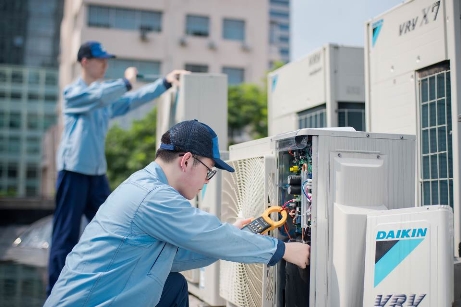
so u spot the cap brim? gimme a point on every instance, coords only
(106, 56)
(223, 165)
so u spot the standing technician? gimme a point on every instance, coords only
(147, 231)
(89, 104)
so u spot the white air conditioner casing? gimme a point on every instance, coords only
(247, 193)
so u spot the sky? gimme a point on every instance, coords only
(315, 23)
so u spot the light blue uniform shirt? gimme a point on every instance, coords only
(87, 111)
(144, 231)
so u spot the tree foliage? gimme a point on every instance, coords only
(128, 151)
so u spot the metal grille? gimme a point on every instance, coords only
(436, 171)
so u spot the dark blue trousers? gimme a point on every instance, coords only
(175, 293)
(76, 195)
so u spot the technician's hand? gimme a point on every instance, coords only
(174, 76)
(297, 253)
(130, 74)
(241, 222)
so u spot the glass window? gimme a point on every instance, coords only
(234, 75)
(151, 21)
(197, 25)
(117, 68)
(313, 118)
(234, 29)
(12, 170)
(284, 27)
(51, 79)
(33, 145)
(3, 75)
(284, 39)
(16, 77)
(2, 119)
(32, 121)
(14, 145)
(351, 114)
(15, 120)
(196, 68)
(125, 19)
(278, 14)
(48, 121)
(436, 174)
(284, 52)
(99, 16)
(16, 96)
(51, 98)
(281, 2)
(33, 77)
(32, 171)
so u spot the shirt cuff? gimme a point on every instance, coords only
(127, 84)
(278, 255)
(166, 84)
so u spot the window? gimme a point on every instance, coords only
(99, 16)
(234, 75)
(51, 79)
(196, 68)
(34, 77)
(33, 145)
(3, 76)
(16, 77)
(285, 52)
(197, 25)
(33, 97)
(32, 121)
(2, 119)
(284, 27)
(278, 14)
(15, 120)
(234, 29)
(12, 170)
(48, 121)
(16, 96)
(313, 118)
(32, 172)
(281, 2)
(51, 98)
(126, 19)
(436, 151)
(351, 114)
(284, 39)
(14, 145)
(117, 68)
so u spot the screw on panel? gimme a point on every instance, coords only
(378, 156)
(401, 137)
(368, 135)
(339, 155)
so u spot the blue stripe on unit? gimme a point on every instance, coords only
(393, 258)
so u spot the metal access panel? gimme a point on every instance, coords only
(330, 180)
(200, 96)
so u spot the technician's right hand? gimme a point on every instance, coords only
(174, 76)
(297, 253)
(130, 74)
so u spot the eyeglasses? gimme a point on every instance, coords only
(210, 172)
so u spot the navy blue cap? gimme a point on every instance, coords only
(91, 50)
(197, 138)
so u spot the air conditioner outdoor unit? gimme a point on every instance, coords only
(183, 41)
(332, 182)
(246, 46)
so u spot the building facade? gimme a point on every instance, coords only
(279, 31)
(29, 47)
(208, 36)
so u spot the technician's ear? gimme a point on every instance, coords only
(185, 160)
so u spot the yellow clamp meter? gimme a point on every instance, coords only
(264, 223)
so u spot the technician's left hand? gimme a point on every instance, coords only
(241, 222)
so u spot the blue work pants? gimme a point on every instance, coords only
(76, 195)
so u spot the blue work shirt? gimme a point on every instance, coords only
(86, 114)
(144, 231)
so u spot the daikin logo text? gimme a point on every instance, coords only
(401, 234)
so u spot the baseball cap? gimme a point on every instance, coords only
(197, 138)
(93, 49)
